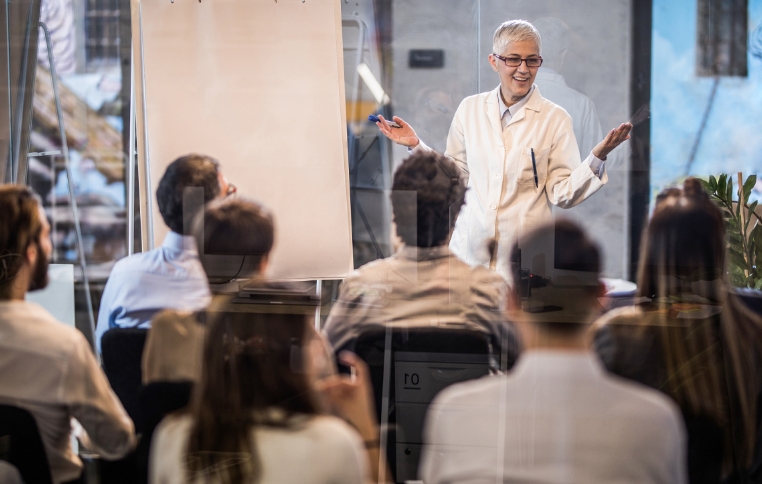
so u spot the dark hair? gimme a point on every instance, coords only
(187, 171)
(439, 195)
(229, 229)
(573, 250)
(253, 374)
(20, 227)
(713, 368)
(572, 292)
(684, 242)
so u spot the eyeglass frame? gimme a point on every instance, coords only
(520, 59)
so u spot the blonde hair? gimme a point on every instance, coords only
(514, 31)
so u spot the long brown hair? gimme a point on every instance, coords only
(711, 363)
(254, 374)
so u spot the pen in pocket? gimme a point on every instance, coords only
(534, 169)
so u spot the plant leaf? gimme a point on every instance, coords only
(722, 184)
(712, 183)
(748, 185)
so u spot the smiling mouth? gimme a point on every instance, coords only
(520, 79)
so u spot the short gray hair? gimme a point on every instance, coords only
(514, 31)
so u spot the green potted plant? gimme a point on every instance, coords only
(743, 227)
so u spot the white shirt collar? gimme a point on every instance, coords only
(548, 361)
(175, 241)
(515, 108)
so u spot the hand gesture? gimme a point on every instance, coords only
(404, 136)
(613, 139)
(351, 397)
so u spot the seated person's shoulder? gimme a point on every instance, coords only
(172, 318)
(328, 427)
(482, 275)
(621, 319)
(175, 425)
(52, 337)
(377, 272)
(131, 262)
(637, 399)
(479, 392)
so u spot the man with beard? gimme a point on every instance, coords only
(46, 367)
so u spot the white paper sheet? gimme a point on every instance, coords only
(257, 84)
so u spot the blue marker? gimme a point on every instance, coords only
(376, 119)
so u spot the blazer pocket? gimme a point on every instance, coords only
(526, 169)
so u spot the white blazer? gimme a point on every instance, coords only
(502, 201)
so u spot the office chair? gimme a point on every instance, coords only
(122, 351)
(21, 445)
(157, 400)
(408, 367)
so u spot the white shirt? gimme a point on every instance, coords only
(556, 418)
(48, 369)
(502, 201)
(170, 277)
(322, 450)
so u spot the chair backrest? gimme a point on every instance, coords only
(408, 367)
(21, 445)
(122, 352)
(157, 400)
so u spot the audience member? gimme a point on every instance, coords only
(558, 416)
(423, 283)
(47, 367)
(694, 340)
(255, 416)
(171, 276)
(233, 235)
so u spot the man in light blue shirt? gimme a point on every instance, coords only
(171, 276)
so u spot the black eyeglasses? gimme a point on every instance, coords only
(516, 61)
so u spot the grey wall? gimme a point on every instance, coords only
(597, 64)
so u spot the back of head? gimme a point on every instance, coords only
(563, 297)
(234, 237)
(188, 171)
(683, 244)
(20, 227)
(711, 359)
(427, 195)
(255, 373)
(514, 31)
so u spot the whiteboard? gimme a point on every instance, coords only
(259, 85)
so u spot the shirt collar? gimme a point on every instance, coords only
(545, 361)
(175, 241)
(515, 108)
(424, 253)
